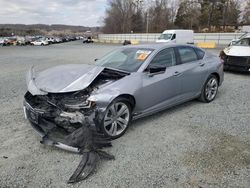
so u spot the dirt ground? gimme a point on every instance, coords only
(191, 145)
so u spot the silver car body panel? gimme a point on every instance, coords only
(62, 79)
(152, 93)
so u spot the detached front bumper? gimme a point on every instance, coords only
(234, 63)
(54, 134)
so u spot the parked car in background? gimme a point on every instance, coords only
(87, 40)
(21, 41)
(237, 56)
(58, 39)
(2, 41)
(10, 41)
(50, 40)
(40, 42)
(129, 83)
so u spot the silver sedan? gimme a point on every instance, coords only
(128, 83)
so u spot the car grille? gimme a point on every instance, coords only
(240, 61)
(40, 104)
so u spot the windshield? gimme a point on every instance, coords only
(126, 59)
(242, 36)
(166, 36)
(243, 42)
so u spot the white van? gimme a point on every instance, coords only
(179, 36)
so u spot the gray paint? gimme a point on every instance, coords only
(151, 93)
(64, 78)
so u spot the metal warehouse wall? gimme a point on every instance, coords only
(218, 38)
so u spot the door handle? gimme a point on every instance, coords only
(201, 64)
(176, 73)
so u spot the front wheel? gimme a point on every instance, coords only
(210, 89)
(117, 118)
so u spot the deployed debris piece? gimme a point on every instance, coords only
(88, 143)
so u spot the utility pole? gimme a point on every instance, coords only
(147, 20)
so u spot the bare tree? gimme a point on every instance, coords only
(246, 13)
(124, 16)
(160, 16)
(174, 6)
(119, 16)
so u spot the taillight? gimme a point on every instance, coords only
(222, 60)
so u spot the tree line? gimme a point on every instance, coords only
(128, 16)
(43, 29)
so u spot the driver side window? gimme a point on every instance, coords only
(165, 58)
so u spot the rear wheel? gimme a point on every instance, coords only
(117, 118)
(210, 89)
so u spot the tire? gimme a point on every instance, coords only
(114, 125)
(210, 89)
(42, 44)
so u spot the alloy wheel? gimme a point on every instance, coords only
(211, 88)
(116, 119)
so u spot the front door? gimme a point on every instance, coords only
(164, 86)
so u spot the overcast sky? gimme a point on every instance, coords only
(69, 12)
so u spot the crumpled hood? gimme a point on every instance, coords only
(63, 78)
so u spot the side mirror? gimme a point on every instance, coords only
(153, 70)
(96, 60)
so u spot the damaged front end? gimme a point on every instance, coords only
(69, 120)
(57, 115)
(67, 126)
(236, 58)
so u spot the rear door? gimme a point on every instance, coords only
(192, 70)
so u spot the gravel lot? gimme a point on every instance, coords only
(191, 145)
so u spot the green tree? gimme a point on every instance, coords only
(188, 15)
(219, 13)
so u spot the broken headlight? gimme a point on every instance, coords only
(82, 105)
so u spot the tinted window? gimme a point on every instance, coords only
(164, 58)
(173, 37)
(187, 54)
(200, 53)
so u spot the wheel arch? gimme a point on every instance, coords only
(130, 98)
(217, 76)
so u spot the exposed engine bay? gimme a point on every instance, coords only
(69, 121)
